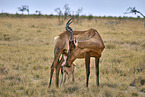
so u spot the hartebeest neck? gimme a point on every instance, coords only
(71, 48)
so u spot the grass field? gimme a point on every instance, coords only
(26, 54)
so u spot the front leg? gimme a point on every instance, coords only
(61, 80)
(64, 80)
(73, 76)
(87, 63)
(97, 71)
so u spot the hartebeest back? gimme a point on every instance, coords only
(89, 44)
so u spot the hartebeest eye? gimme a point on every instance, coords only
(75, 42)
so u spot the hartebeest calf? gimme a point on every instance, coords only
(65, 71)
(88, 44)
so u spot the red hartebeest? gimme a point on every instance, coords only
(89, 44)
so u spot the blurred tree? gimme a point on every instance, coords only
(27, 9)
(138, 16)
(67, 11)
(90, 17)
(39, 12)
(133, 10)
(24, 8)
(60, 14)
(78, 14)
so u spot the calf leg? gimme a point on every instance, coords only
(73, 78)
(57, 71)
(64, 78)
(61, 80)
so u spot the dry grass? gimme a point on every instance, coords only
(26, 54)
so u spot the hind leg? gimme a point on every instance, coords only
(97, 70)
(51, 74)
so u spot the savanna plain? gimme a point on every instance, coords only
(26, 55)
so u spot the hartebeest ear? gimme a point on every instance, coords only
(75, 42)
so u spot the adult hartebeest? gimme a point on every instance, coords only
(89, 44)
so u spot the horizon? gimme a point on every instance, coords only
(26, 14)
(93, 7)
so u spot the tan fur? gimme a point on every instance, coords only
(55, 40)
(87, 41)
(89, 45)
(67, 72)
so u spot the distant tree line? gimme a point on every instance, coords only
(65, 12)
(62, 13)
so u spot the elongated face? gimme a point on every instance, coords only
(68, 70)
(70, 56)
(71, 44)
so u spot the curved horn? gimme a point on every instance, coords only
(68, 23)
(69, 29)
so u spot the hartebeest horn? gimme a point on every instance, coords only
(69, 29)
(68, 23)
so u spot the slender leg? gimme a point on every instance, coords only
(57, 75)
(57, 72)
(68, 78)
(54, 65)
(57, 53)
(97, 71)
(51, 74)
(61, 80)
(73, 78)
(87, 63)
(64, 78)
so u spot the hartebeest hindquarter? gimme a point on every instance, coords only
(77, 44)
